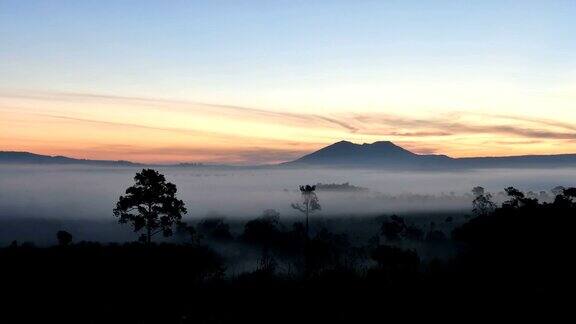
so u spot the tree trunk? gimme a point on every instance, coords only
(148, 235)
(148, 228)
(307, 226)
(306, 243)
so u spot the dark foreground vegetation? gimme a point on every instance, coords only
(515, 258)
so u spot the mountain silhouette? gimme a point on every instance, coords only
(388, 154)
(9, 157)
(382, 154)
(345, 149)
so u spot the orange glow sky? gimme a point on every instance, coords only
(161, 130)
(251, 84)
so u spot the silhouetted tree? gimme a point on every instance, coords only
(558, 190)
(482, 204)
(393, 258)
(435, 235)
(328, 249)
(308, 205)
(518, 199)
(189, 232)
(515, 196)
(532, 195)
(150, 205)
(522, 241)
(215, 228)
(413, 232)
(570, 193)
(566, 198)
(393, 227)
(478, 191)
(64, 238)
(263, 231)
(272, 214)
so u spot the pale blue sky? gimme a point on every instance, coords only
(172, 47)
(504, 71)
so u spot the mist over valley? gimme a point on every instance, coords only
(77, 195)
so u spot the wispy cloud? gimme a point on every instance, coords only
(442, 127)
(302, 132)
(538, 121)
(343, 124)
(309, 120)
(517, 142)
(359, 123)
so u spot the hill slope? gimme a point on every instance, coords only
(9, 157)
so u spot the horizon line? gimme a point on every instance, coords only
(214, 163)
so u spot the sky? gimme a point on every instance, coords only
(255, 82)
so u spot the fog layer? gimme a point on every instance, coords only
(79, 192)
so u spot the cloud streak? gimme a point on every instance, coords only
(441, 127)
(243, 134)
(538, 121)
(309, 120)
(365, 123)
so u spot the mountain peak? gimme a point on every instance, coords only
(379, 143)
(348, 153)
(342, 143)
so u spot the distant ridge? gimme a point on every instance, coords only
(385, 154)
(11, 157)
(382, 154)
